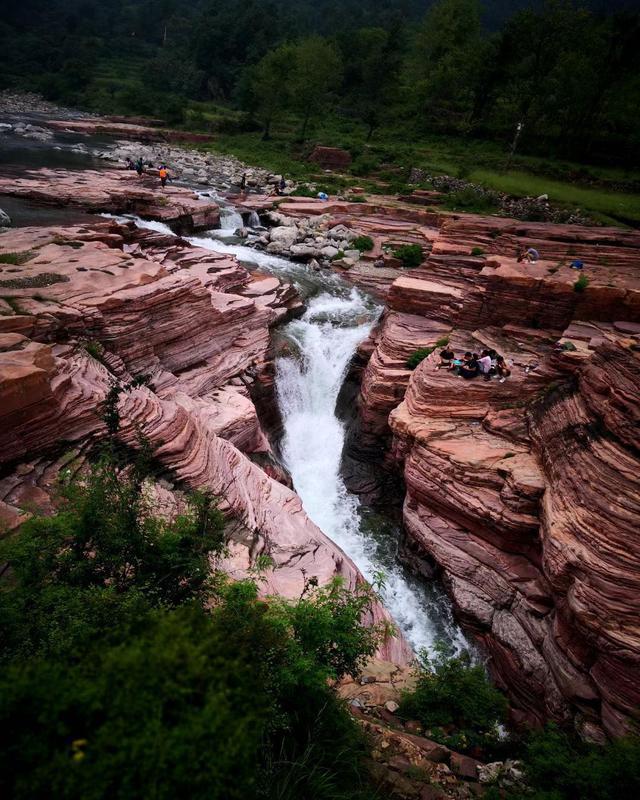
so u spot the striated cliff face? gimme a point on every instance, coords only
(522, 495)
(88, 307)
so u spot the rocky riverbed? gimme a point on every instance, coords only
(523, 496)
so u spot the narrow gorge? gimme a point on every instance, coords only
(502, 514)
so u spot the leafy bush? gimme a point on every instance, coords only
(477, 251)
(471, 199)
(559, 767)
(418, 356)
(365, 165)
(581, 284)
(116, 681)
(409, 254)
(303, 191)
(443, 341)
(16, 258)
(451, 691)
(363, 243)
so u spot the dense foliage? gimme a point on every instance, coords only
(455, 701)
(560, 767)
(565, 71)
(116, 682)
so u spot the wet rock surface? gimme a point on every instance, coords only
(115, 191)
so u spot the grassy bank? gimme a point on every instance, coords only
(608, 195)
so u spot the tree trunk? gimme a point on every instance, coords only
(372, 127)
(304, 125)
(266, 133)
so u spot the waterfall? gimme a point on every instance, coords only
(253, 220)
(337, 319)
(308, 385)
(230, 221)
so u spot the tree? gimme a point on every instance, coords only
(270, 85)
(116, 681)
(372, 59)
(317, 70)
(445, 61)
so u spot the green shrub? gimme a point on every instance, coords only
(357, 198)
(409, 254)
(451, 691)
(365, 165)
(443, 341)
(303, 190)
(419, 356)
(477, 251)
(560, 767)
(363, 243)
(116, 681)
(470, 199)
(16, 258)
(581, 284)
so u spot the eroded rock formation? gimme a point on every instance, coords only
(523, 494)
(116, 191)
(85, 307)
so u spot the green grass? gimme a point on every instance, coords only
(391, 157)
(16, 258)
(581, 284)
(607, 205)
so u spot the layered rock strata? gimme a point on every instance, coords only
(521, 494)
(85, 308)
(117, 192)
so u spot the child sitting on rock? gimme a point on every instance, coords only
(446, 358)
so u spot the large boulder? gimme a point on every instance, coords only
(331, 157)
(285, 235)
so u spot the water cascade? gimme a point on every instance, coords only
(308, 385)
(325, 338)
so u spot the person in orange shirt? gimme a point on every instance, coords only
(163, 172)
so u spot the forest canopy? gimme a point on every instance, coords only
(567, 72)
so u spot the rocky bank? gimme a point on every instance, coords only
(88, 307)
(523, 496)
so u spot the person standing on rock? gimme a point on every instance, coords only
(140, 166)
(163, 172)
(243, 183)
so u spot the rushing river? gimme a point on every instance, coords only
(324, 340)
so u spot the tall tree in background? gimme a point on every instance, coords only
(444, 64)
(372, 65)
(316, 72)
(270, 85)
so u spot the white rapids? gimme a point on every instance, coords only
(326, 338)
(337, 319)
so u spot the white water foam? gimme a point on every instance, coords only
(326, 337)
(336, 320)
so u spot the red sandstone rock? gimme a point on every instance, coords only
(529, 513)
(331, 157)
(139, 130)
(116, 191)
(119, 303)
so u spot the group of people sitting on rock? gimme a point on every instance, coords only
(490, 364)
